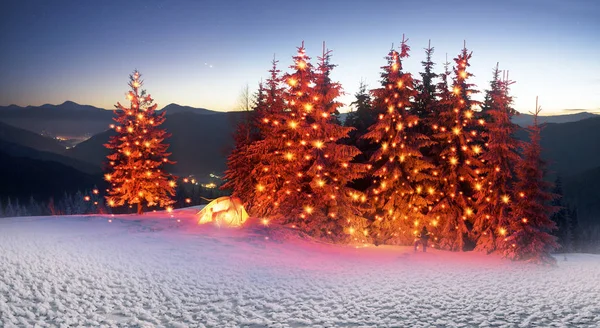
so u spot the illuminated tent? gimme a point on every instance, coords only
(227, 211)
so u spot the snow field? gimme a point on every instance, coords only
(157, 272)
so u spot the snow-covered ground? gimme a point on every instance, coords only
(157, 272)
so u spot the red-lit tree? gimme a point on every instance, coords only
(401, 175)
(529, 231)
(256, 156)
(273, 160)
(458, 146)
(307, 176)
(240, 163)
(501, 158)
(135, 170)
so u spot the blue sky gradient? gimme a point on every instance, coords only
(202, 53)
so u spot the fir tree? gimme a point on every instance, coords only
(240, 163)
(401, 178)
(138, 153)
(501, 156)
(34, 207)
(529, 232)
(575, 232)
(271, 116)
(305, 181)
(561, 216)
(425, 99)
(361, 119)
(454, 126)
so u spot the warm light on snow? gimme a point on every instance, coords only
(158, 273)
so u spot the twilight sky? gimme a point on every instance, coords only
(202, 53)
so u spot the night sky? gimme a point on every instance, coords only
(202, 53)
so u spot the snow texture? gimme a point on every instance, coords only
(153, 271)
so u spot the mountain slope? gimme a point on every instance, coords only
(581, 190)
(70, 119)
(66, 119)
(527, 119)
(570, 148)
(25, 177)
(199, 143)
(9, 133)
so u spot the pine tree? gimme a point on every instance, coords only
(501, 156)
(529, 232)
(561, 216)
(361, 119)
(458, 147)
(304, 181)
(574, 229)
(34, 207)
(240, 163)
(267, 152)
(425, 99)
(139, 153)
(402, 182)
(278, 187)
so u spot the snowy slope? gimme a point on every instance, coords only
(157, 272)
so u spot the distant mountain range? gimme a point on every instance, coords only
(70, 119)
(201, 140)
(526, 119)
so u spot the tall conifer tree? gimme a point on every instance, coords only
(401, 177)
(454, 125)
(138, 153)
(495, 192)
(529, 231)
(240, 162)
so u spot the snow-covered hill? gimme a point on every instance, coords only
(157, 272)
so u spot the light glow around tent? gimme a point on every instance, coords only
(224, 211)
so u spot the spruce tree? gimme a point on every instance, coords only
(138, 153)
(574, 229)
(529, 231)
(500, 157)
(240, 163)
(425, 99)
(401, 179)
(305, 181)
(361, 119)
(458, 147)
(269, 152)
(561, 216)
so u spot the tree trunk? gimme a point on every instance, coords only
(140, 209)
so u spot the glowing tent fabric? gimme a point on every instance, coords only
(224, 211)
